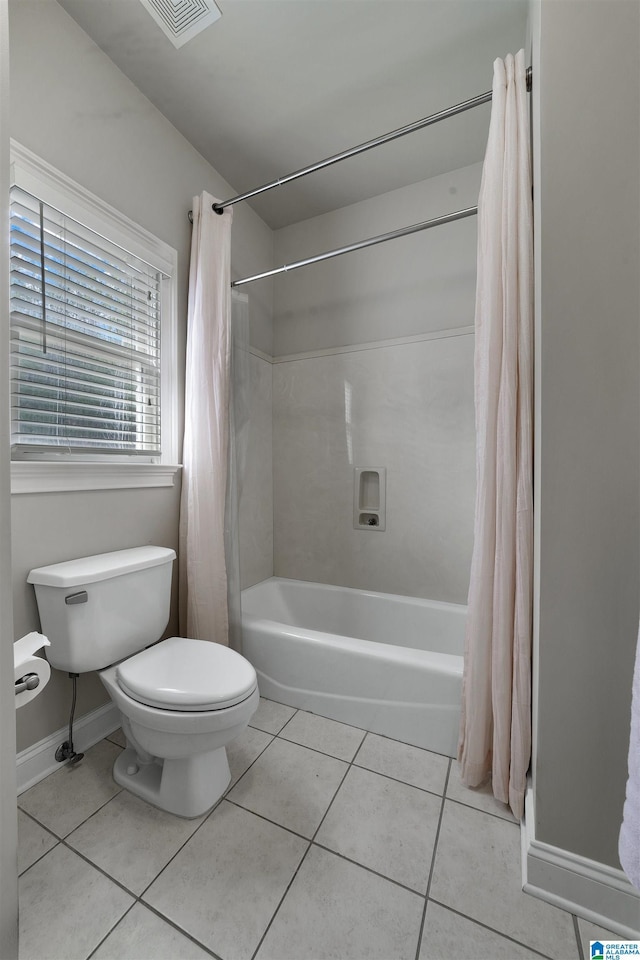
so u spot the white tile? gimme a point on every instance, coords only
(131, 840)
(224, 885)
(142, 935)
(479, 797)
(420, 768)
(336, 910)
(67, 797)
(385, 825)
(477, 872)
(242, 751)
(271, 716)
(290, 785)
(447, 935)
(33, 841)
(66, 907)
(320, 733)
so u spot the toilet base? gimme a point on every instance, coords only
(187, 787)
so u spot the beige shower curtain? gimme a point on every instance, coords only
(203, 575)
(495, 729)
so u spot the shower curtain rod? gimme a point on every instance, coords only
(363, 147)
(392, 235)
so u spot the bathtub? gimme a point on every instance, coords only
(385, 663)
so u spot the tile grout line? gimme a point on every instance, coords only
(39, 858)
(237, 781)
(111, 929)
(323, 753)
(363, 866)
(56, 838)
(161, 916)
(311, 843)
(487, 813)
(500, 933)
(364, 730)
(281, 900)
(182, 930)
(433, 862)
(480, 923)
(262, 816)
(77, 827)
(576, 928)
(287, 722)
(360, 766)
(437, 837)
(321, 846)
(114, 880)
(115, 742)
(137, 898)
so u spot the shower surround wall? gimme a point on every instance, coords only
(408, 407)
(374, 367)
(255, 520)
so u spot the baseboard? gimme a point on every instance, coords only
(37, 762)
(591, 890)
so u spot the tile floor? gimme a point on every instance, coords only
(330, 843)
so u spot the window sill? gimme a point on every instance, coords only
(29, 476)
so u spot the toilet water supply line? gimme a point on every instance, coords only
(65, 751)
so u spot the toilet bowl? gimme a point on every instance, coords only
(181, 700)
(202, 696)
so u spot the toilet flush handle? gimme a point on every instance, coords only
(80, 597)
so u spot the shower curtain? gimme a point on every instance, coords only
(495, 729)
(203, 571)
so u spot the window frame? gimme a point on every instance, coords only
(68, 472)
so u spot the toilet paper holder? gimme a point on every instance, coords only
(31, 673)
(29, 682)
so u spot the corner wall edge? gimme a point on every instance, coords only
(593, 891)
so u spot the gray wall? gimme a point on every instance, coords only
(8, 813)
(587, 162)
(75, 109)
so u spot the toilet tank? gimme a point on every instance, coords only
(98, 610)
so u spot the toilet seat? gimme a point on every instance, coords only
(184, 674)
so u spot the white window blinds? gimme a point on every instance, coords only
(85, 340)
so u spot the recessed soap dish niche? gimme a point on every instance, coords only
(369, 498)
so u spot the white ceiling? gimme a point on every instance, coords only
(275, 85)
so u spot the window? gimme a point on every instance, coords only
(92, 337)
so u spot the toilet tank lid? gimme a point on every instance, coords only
(103, 566)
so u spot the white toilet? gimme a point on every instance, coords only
(181, 701)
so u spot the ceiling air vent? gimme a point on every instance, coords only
(181, 20)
